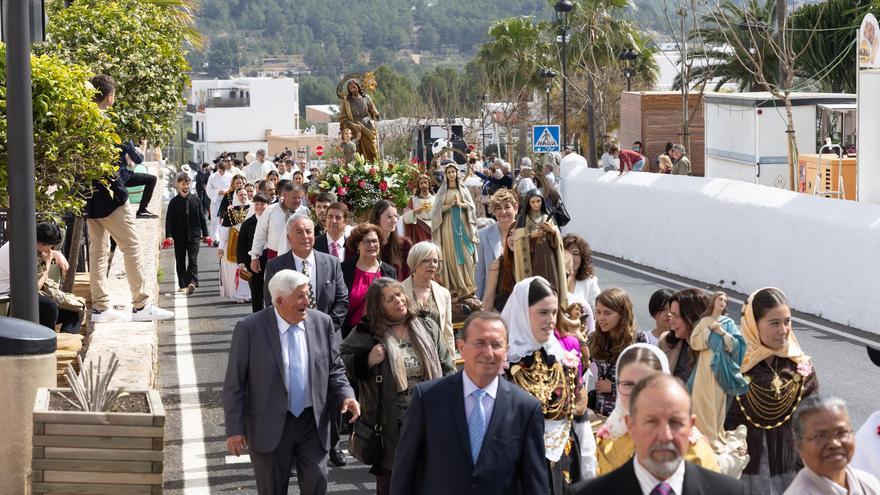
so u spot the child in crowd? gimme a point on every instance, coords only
(185, 225)
(629, 160)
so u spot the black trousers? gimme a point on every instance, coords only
(298, 446)
(256, 285)
(149, 183)
(51, 314)
(186, 256)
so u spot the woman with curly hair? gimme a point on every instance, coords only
(616, 330)
(361, 268)
(586, 285)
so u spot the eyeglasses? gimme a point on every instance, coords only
(369, 242)
(826, 436)
(481, 345)
(431, 261)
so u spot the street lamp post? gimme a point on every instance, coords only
(547, 75)
(21, 23)
(628, 56)
(562, 9)
(483, 125)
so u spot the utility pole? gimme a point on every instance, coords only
(685, 77)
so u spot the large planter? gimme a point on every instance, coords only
(98, 453)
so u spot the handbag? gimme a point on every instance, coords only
(560, 214)
(367, 443)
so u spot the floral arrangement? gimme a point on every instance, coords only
(361, 185)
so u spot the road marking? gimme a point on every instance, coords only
(677, 283)
(242, 459)
(195, 463)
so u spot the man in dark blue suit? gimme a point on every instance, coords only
(472, 432)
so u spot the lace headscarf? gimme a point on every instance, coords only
(615, 423)
(519, 329)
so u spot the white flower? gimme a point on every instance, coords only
(391, 181)
(337, 179)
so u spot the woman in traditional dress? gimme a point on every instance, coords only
(502, 275)
(615, 445)
(539, 245)
(615, 331)
(717, 380)
(395, 248)
(234, 214)
(780, 375)
(454, 229)
(417, 215)
(539, 365)
(359, 113)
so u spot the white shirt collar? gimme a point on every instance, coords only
(648, 482)
(310, 259)
(340, 241)
(283, 325)
(469, 386)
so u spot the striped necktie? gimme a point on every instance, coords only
(305, 271)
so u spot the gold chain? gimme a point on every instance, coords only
(771, 403)
(541, 381)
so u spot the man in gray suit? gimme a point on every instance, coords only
(284, 371)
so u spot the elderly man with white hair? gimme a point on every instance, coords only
(283, 376)
(826, 444)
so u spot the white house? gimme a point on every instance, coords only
(236, 115)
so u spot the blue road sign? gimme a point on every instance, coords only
(545, 138)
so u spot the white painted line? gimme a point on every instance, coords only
(195, 464)
(678, 283)
(242, 459)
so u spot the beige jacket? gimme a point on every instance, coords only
(444, 303)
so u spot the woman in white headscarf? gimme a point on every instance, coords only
(540, 366)
(615, 446)
(231, 284)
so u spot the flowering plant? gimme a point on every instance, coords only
(361, 184)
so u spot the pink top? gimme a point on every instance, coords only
(357, 296)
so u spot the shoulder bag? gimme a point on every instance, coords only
(560, 214)
(367, 443)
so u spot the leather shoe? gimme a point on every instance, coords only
(337, 457)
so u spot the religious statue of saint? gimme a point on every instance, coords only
(359, 114)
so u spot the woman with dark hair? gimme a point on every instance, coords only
(780, 375)
(615, 331)
(586, 285)
(540, 366)
(548, 191)
(395, 248)
(417, 215)
(685, 309)
(658, 308)
(360, 268)
(502, 276)
(391, 350)
(454, 229)
(538, 245)
(234, 211)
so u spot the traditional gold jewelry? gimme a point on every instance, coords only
(541, 381)
(771, 403)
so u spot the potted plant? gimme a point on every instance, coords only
(92, 438)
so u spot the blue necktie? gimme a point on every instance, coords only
(477, 424)
(296, 390)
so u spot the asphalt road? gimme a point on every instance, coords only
(193, 351)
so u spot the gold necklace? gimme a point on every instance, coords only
(541, 381)
(771, 403)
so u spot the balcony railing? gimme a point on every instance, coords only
(194, 137)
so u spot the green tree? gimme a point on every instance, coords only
(395, 96)
(224, 57)
(73, 140)
(138, 44)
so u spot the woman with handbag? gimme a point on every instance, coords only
(390, 351)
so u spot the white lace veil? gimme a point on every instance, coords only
(615, 423)
(519, 331)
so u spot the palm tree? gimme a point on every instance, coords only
(513, 57)
(182, 13)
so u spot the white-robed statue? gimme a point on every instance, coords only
(454, 229)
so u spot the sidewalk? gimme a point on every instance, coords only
(135, 343)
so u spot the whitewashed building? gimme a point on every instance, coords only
(237, 115)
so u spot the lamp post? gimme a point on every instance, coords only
(547, 75)
(628, 56)
(562, 9)
(483, 125)
(21, 23)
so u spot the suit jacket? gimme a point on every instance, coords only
(697, 481)
(185, 219)
(254, 396)
(434, 454)
(245, 239)
(331, 293)
(489, 249)
(444, 302)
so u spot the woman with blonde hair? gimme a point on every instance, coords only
(431, 299)
(615, 331)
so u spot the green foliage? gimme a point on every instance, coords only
(224, 57)
(138, 44)
(394, 96)
(361, 185)
(73, 140)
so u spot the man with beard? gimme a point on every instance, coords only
(660, 421)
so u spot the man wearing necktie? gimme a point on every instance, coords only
(660, 422)
(332, 241)
(472, 432)
(279, 407)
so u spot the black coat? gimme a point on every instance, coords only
(245, 239)
(697, 481)
(185, 219)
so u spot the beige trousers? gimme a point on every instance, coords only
(120, 225)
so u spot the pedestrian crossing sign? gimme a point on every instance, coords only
(545, 138)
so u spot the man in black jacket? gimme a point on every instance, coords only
(185, 225)
(245, 239)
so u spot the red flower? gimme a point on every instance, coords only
(415, 160)
(342, 191)
(346, 179)
(471, 147)
(373, 172)
(362, 183)
(383, 186)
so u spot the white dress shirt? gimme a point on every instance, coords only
(488, 399)
(310, 260)
(648, 482)
(299, 336)
(271, 231)
(340, 246)
(255, 170)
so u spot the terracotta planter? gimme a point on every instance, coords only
(106, 453)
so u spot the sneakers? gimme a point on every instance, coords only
(181, 290)
(146, 214)
(190, 289)
(109, 315)
(151, 312)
